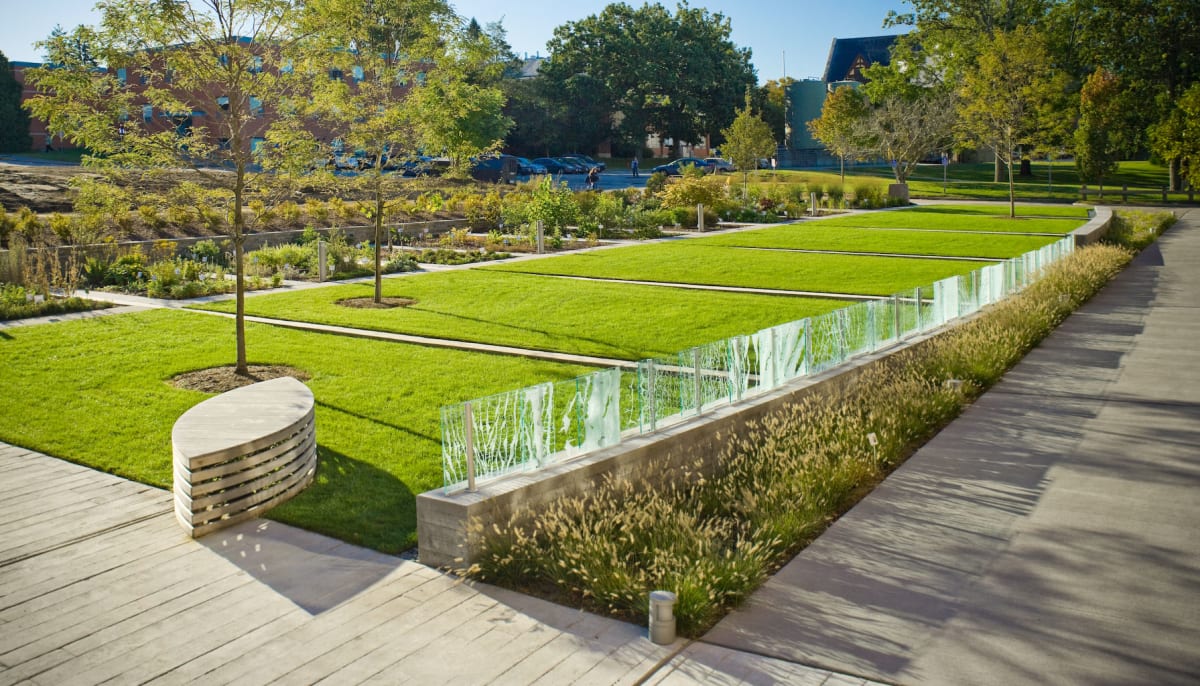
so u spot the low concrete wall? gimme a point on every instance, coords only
(1096, 228)
(443, 534)
(243, 452)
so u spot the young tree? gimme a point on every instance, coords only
(188, 84)
(1098, 140)
(840, 124)
(1006, 101)
(369, 56)
(747, 140)
(904, 130)
(1176, 138)
(14, 121)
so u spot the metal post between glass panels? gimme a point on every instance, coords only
(699, 390)
(469, 427)
(650, 391)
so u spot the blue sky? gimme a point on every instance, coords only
(801, 29)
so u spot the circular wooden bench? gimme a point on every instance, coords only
(243, 452)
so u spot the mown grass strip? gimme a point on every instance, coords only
(683, 262)
(1001, 210)
(818, 236)
(911, 219)
(95, 392)
(613, 320)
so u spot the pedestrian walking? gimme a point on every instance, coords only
(592, 177)
(633, 166)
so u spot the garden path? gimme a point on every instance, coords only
(1048, 535)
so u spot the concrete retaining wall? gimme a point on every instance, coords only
(243, 452)
(443, 521)
(1096, 228)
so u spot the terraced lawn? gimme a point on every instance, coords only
(818, 236)
(684, 261)
(613, 320)
(940, 221)
(1001, 209)
(95, 392)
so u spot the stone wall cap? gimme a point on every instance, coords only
(241, 416)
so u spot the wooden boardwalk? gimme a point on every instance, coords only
(99, 583)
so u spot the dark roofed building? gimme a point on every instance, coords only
(849, 56)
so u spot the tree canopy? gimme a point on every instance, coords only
(14, 121)
(677, 74)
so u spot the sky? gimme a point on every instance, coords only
(786, 37)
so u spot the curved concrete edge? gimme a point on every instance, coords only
(1096, 228)
(241, 453)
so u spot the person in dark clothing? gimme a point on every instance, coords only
(592, 177)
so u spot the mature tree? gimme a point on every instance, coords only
(556, 116)
(77, 44)
(1006, 101)
(772, 102)
(1099, 143)
(1153, 46)
(377, 51)
(904, 130)
(14, 121)
(747, 140)
(951, 34)
(676, 75)
(840, 124)
(188, 85)
(1176, 138)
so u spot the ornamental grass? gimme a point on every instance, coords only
(712, 535)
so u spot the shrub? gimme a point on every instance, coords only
(289, 212)
(208, 252)
(692, 190)
(553, 204)
(317, 209)
(1135, 229)
(656, 183)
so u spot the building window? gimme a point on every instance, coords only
(256, 106)
(223, 60)
(358, 74)
(401, 78)
(168, 75)
(223, 103)
(421, 77)
(286, 68)
(256, 143)
(121, 75)
(147, 113)
(144, 75)
(223, 143)
(335, 74)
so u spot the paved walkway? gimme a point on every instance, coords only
(99, 583)
(1049, 535)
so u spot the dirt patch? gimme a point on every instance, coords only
(221, 379)
(370, 304)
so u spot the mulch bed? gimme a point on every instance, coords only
(370, 304)
(221, 379)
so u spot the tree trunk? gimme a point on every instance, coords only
(842, 159)
(239, 244)
(1173, 174)
(997, 175)
(1012, 194)
(378, 236)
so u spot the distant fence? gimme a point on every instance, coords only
(1163, 194)
(540, 425)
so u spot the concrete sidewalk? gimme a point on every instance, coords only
(1049, 535)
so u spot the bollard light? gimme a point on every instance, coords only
(662, 617)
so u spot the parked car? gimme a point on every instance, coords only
(572, 166)
(720, 164)
(530, 168)
(675, 167)
(501, 169)
(551, 165)
(588, 162)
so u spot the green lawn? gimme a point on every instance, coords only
(1001, 209)
(818, 236)
(910, 219)
(585, 317)
(95, 392)
(684, 262)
